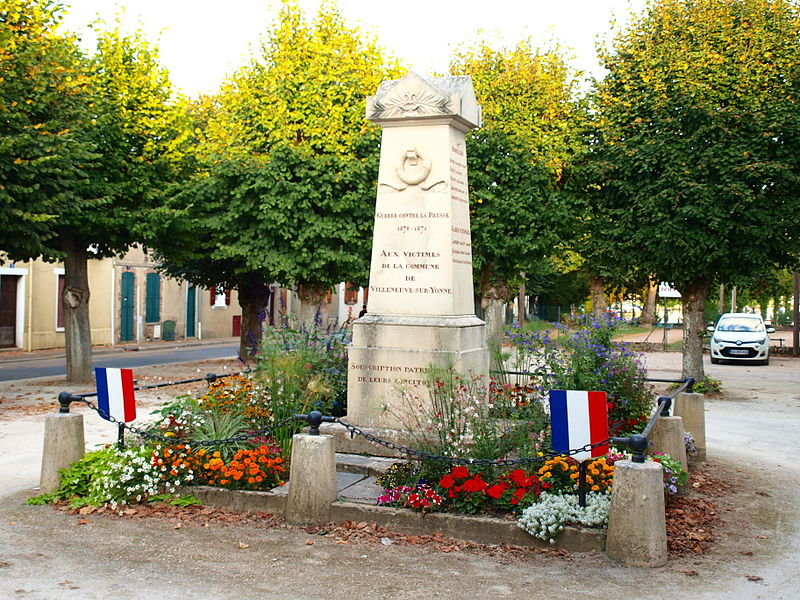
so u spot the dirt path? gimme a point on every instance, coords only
(48, 554)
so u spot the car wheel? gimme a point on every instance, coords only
(714, 361)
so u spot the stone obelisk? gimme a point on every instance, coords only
(421, 299)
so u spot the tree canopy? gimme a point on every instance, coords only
(288, 162)
(695, 175)
(88, 145)
(531, 117)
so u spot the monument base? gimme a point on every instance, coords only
(389, 357)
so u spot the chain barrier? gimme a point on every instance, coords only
(149, 435)
(483, 462)
(637, 442)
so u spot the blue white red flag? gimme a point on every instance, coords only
(115, 395)
(579, 418)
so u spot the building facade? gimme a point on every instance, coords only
(130, 302)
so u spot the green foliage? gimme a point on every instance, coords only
(175, 499)
(456, 416)
(588, 359)
(694, 150)
(398, 474)
(288, 168)
(708, 386)
(298, 371)
(326, 354)
(45, 97)
(696, 141)
(531, 124)
(674, 475)
(213, 426)
(76, 479)
(106, 476)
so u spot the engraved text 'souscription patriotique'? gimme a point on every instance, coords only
(421, 302)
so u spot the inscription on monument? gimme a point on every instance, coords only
(458, 175)
(393, 374)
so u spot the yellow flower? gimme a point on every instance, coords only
(595, 488)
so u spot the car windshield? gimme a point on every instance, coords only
(740, 324)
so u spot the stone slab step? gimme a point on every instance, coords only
(365, 465)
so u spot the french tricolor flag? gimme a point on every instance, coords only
(578, 418)
(115, 395)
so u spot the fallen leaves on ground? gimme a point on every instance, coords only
(180, 516)
(692, 520)
(372, 533)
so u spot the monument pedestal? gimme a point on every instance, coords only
(389, 357)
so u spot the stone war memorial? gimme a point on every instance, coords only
(421, 300)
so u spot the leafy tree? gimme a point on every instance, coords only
(528, 98)
(86, 147)
(696, 148)
(289, 161)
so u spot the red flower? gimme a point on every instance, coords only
(545, 485)
(517, 476)
(461, 472)
(520, 492)
(476, 484)
(496, 491)
(447, 482)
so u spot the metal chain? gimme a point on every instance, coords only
(143, 433)
(503, 462)
(353, 430)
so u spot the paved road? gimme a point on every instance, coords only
(28, 368)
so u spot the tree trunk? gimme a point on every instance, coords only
(254, 297)
(75, 303)
(649, 312)
(599, 304)
(796, 315)
(693, 297)
(311, 296)
(493, 304)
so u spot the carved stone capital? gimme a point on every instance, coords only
(414, 97)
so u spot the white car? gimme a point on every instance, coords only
(740, 336)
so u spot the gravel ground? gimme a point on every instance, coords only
(751, 553)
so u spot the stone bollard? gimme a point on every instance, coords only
(312, 480)
(637, 529)
(691, 408)
(667, 437)
(63, 445)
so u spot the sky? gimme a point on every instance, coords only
(203, 41)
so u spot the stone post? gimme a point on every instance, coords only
(637, 529)
(312, 480)
(667, 437)
(63, 445)
(691, 408)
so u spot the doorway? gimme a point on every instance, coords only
(8, 310)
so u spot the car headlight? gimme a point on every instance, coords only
(761, 341)
(715, 339)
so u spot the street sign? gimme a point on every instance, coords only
(665, 290)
